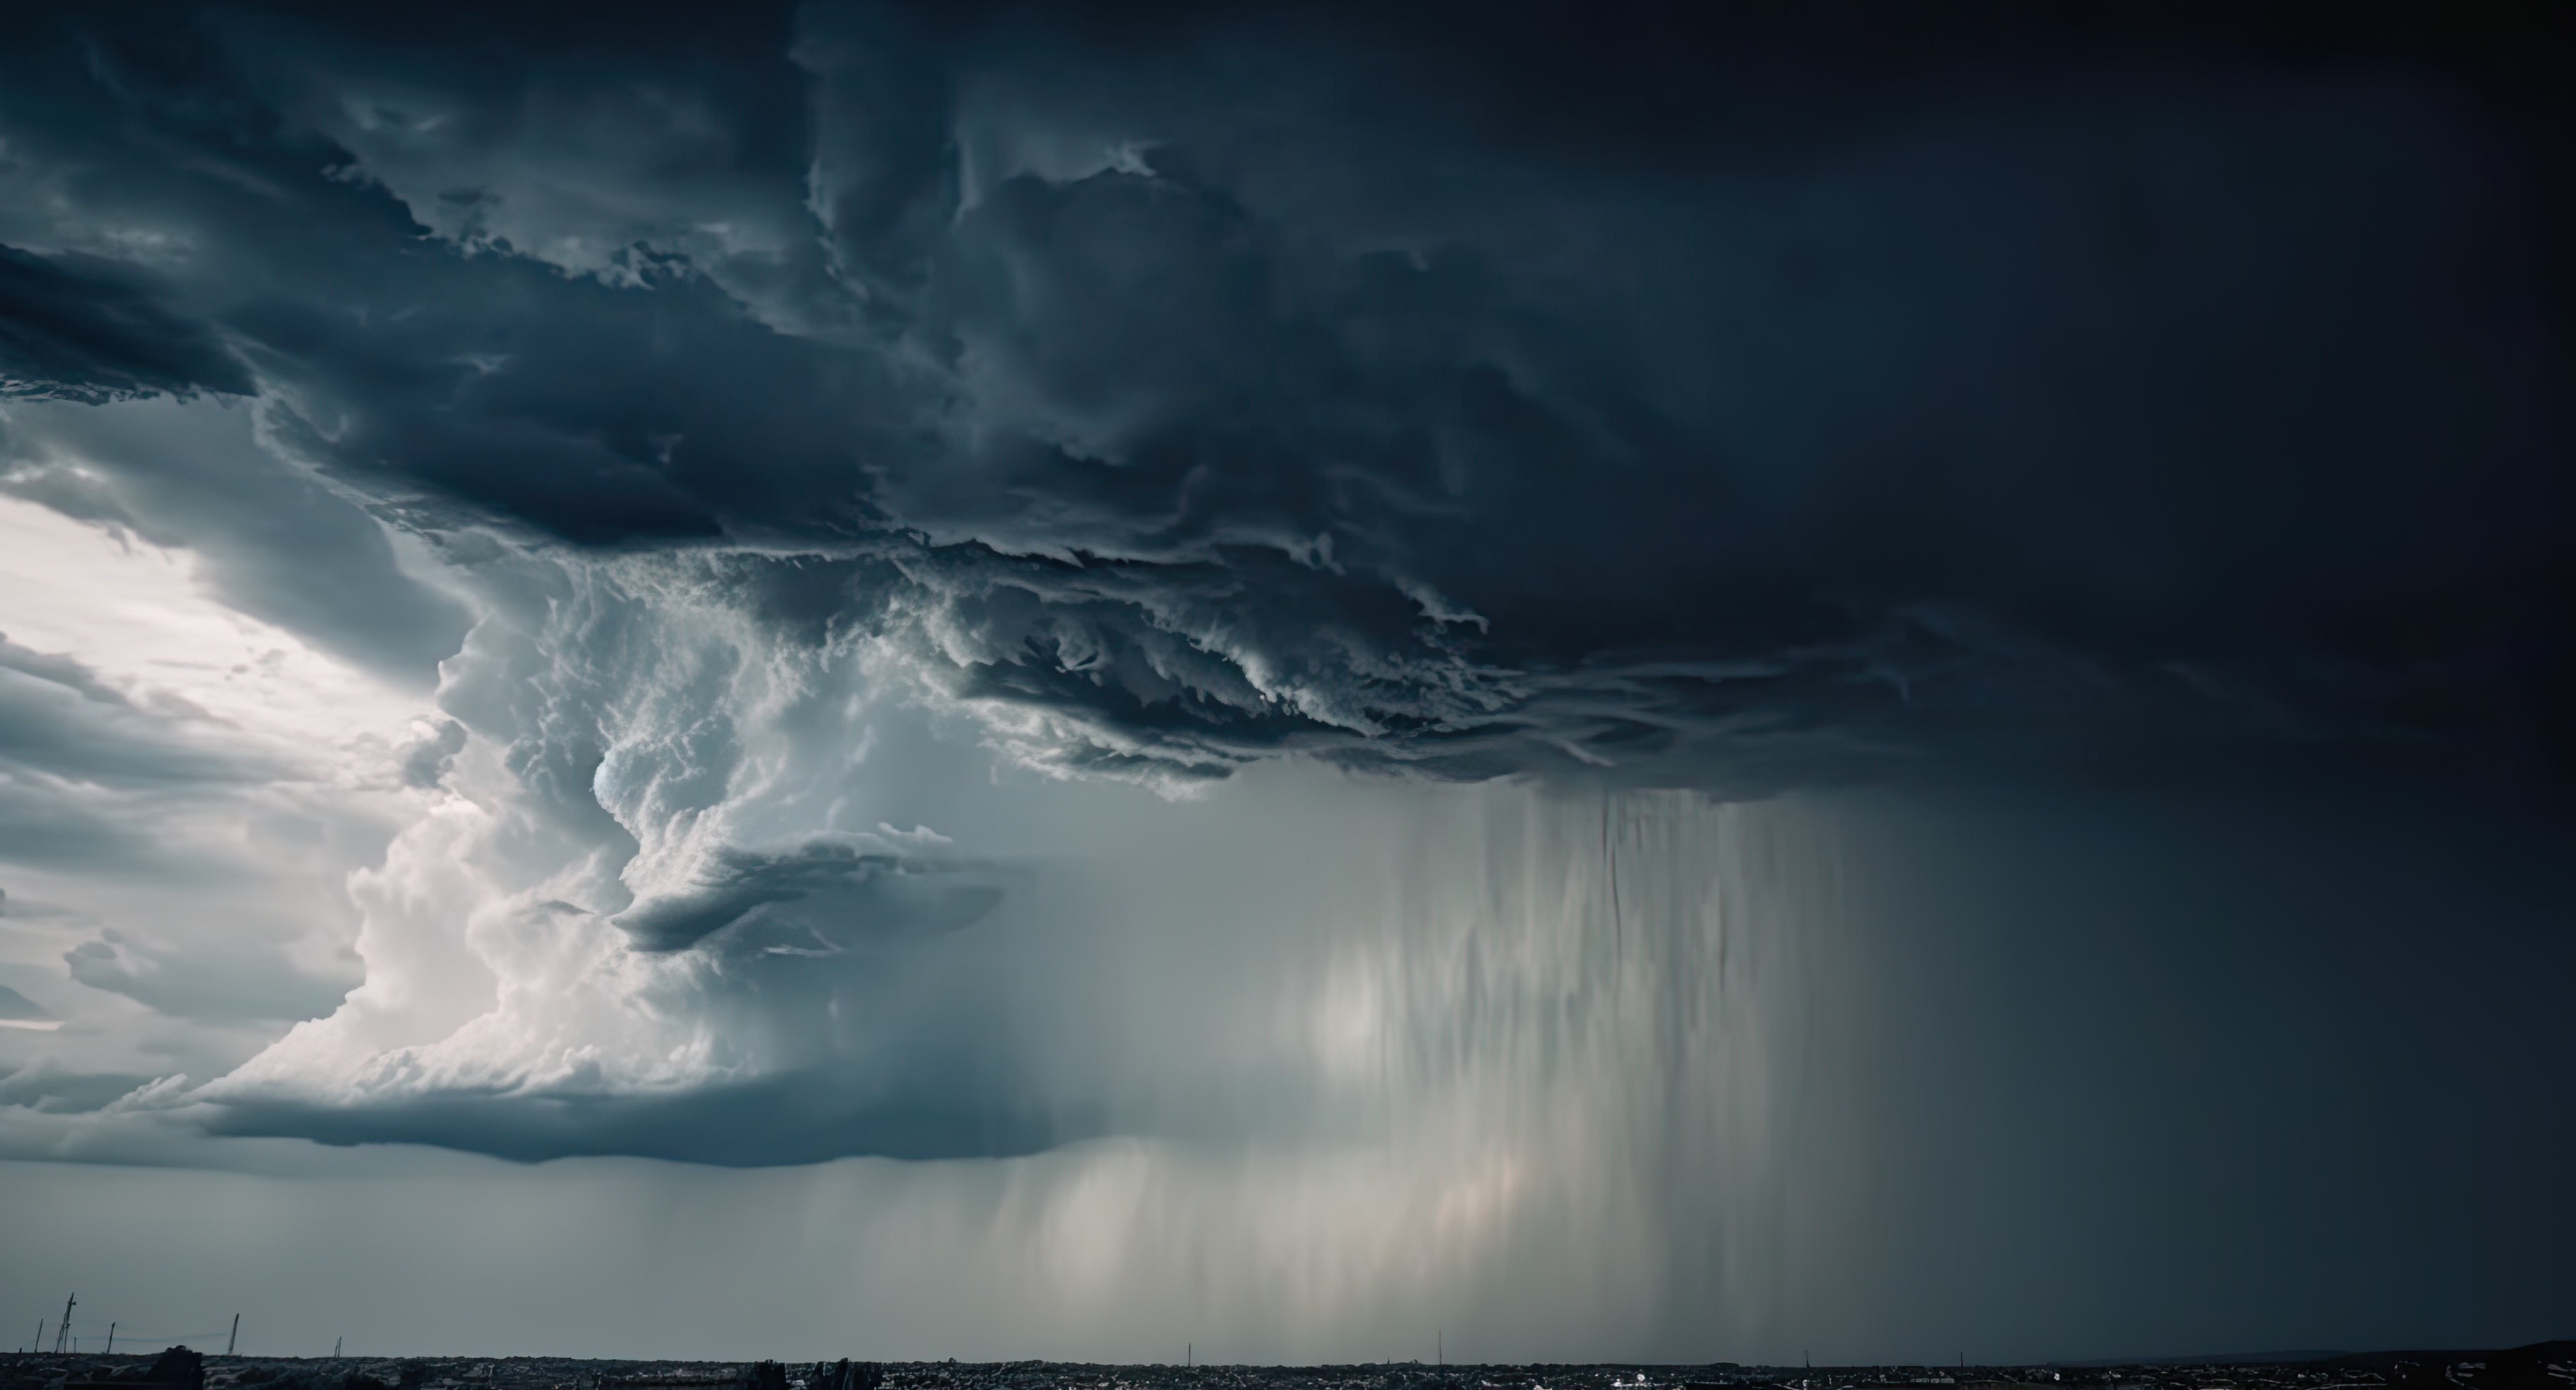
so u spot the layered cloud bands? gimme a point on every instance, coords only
(1179, 395)
(636, 462)
(1198, 673)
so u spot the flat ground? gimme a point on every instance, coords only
(2545, 1366)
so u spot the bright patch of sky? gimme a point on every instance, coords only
(136, 614)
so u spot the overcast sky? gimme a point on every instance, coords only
(994, 681)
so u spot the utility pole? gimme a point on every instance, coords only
(111, 1338)
(63, 1333)
(229, 1341)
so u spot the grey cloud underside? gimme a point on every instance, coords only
(2181, 418)
(52, 1091)
(272, 542)
(813, 899)
(234, 983)
(14, 1005)
(38, 828)
(59, 721)
(786, 1120)
(83, 767)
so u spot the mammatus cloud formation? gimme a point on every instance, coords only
(953, 586)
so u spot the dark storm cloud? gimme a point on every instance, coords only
(791, 1119)
(1745, 408)
(819, 892)
(84, 329)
